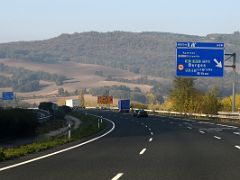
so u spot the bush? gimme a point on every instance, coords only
(17, 123)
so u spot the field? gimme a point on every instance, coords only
(80, 75)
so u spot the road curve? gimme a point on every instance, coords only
(144, 149)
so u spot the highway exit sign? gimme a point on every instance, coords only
(199, 59)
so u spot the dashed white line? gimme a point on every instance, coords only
(202, 132)
(238, 147)
(149, 129)
(237, 133)
(117, 176)
(189, 127)
(146, 126)
(142, 151)
(152, 133)
(217, 137)
(150, 140)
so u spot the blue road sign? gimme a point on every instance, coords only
(199, 59)
(7, 96)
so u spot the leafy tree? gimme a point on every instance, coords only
(183, 94)
(210, 103)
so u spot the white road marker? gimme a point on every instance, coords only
(202, 132)
(146, 126)
(152, 133)
(61, 151)
(237, 133)
(149, 129)
(117, 176)
(234, 127)
(189, 127)
(142, 151)
(150, 140)
(216, 137)
(238, 147)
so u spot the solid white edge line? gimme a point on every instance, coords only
(150, 140)
(142, 151)
(63, 150)
(216, 137)
(117, 176)
(238, 147)
(234, 127)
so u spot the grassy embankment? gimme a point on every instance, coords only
(88, 127)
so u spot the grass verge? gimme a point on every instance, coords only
(88, 127)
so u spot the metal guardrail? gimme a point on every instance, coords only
(221, 115)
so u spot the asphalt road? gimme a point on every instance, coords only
(154, 148)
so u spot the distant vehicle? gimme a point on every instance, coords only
(142, 113)
(135, 112)
(124, 105)
(73, 103)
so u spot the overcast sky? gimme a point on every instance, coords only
(43, 19)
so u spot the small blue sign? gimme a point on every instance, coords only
(199, 59)
(7, 95)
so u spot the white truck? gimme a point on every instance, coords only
(73, 103)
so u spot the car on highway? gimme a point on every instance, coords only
(142, 113)
(135, 112)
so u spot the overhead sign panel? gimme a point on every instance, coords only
(7, 95)
(105, 100)
(199, 59)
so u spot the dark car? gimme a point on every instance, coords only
(142, 113)
(135, 112)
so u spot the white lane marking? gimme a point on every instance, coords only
(234, 127)
(146, 126)
(149, 129)
(63, 150)
(142, 151)
(238, 147)
(217, 137)
(202, 132)
(150, 140)
(189, 127)
(202, 122)
(237, 133)
(152, 133)
(117, 176)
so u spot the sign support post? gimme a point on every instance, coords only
(233, 55)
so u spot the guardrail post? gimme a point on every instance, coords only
(69, 131)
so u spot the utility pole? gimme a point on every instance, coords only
(233, 66)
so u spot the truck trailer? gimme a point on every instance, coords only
(124, 105)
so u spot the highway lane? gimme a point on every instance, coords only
(144, 148)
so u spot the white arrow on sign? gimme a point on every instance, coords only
(219, 64)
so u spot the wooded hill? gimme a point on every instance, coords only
(146, 53)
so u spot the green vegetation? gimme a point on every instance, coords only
(186, 98)
(13, 123)
(87, 128)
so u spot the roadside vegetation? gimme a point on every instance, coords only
(88, 127)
